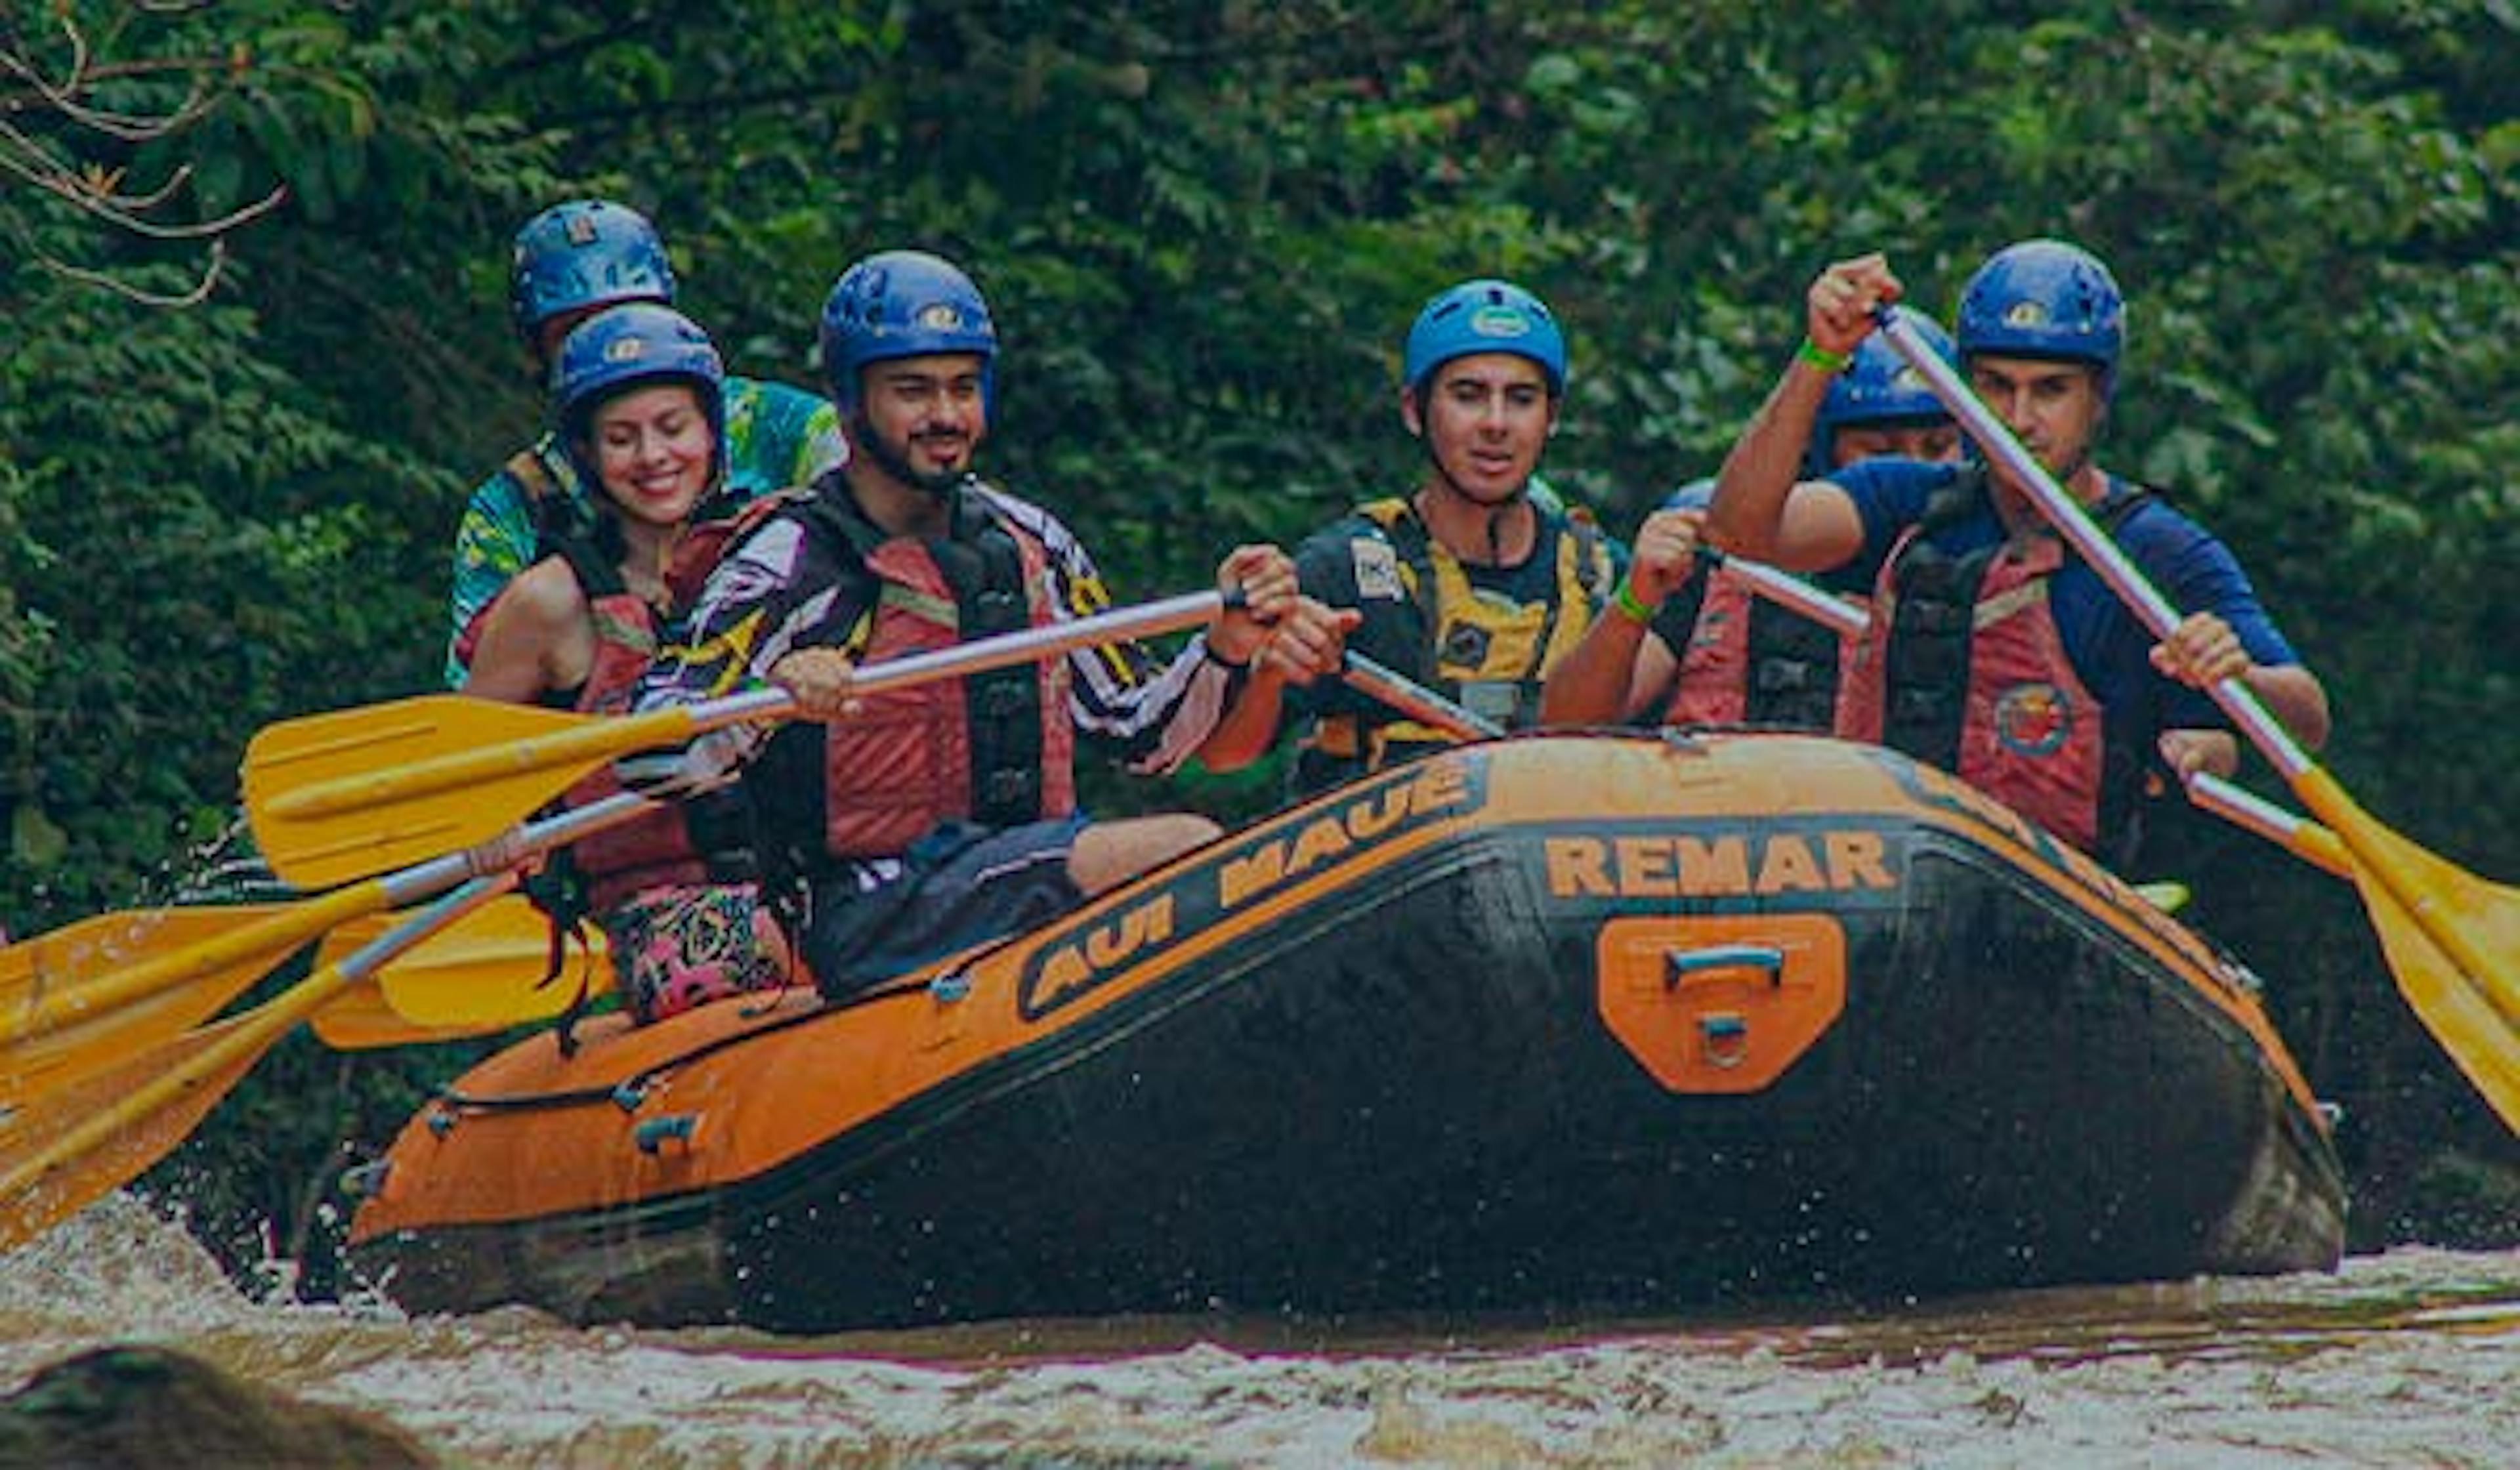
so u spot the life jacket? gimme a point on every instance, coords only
(1480, 651)
(656, 848)
(1963, 668)
(996, 748)
(1747, 659)
(702, 838)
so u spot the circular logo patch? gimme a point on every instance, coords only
(939, 316)
(2033, 719)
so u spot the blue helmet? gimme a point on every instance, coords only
(1484, 316)
(628, 347)
(586, 252)
(904, 303)
(1877, 387)
(2046, 299)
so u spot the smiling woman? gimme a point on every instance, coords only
(639, 404)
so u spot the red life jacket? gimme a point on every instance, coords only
(1963, 668)
(1746, 659)
(650, 850)
(660, 847)
(996, 748)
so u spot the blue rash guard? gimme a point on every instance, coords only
(2110, 648)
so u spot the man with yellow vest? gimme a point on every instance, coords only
(1470, 583)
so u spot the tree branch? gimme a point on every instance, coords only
(51, 130)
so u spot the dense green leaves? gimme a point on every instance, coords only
(1203, 227)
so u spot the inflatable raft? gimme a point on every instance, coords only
(1566, 1022)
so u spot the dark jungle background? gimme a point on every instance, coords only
(1204, 227)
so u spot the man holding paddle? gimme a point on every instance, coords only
(1994, 650)
(1474, 584)
(931, 818)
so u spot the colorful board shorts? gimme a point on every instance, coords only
(674, 947)
(963, 884)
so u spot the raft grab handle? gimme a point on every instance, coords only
(651, 1135)
(1680, 964)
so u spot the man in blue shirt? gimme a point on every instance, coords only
(1995, 651)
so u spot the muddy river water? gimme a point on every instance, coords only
(2406, 1358)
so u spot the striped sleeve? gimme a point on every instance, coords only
(1152, 715)
(777, 591)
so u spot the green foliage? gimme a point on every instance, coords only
(1204, 227)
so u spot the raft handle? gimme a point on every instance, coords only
(631, 1095)
(441, 1121)
(652, 1133)
(1683, 964)
(366, 1181)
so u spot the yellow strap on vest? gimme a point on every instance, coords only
(1511, 654)
(926, 606)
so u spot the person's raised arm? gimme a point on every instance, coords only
(1759, 509)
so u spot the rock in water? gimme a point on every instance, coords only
(131, 1406)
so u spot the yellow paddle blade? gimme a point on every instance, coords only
(338, 796)
(66, 1148)
(68, 1054)
(74, 1144)
(2443, 931)
(363, 1020)
(83, 998)
(55, 973)
(479, 976)
(2474, 924)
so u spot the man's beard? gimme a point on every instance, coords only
(893, 461)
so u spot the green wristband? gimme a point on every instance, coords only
(1625, 600)
(1822, 358)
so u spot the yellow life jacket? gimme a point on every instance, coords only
(1481, 651)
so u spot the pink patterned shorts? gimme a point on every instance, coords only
(675, 947)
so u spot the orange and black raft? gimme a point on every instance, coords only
(1583, 1022)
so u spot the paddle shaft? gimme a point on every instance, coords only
(1835, 613)
(2251, 811)
(1415, 700)
(602, 738)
